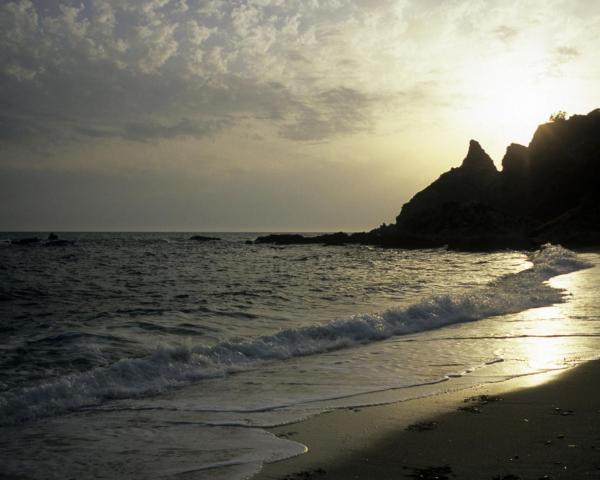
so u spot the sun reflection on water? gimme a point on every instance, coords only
(545, 348)
(552, 336)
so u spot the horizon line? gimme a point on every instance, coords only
(175, 230)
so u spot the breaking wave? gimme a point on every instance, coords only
(173, 367)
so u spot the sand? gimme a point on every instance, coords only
(542, 427)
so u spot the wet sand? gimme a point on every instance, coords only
(541, 427)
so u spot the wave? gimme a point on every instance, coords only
(173, 367)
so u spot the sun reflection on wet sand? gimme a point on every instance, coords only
(557, 336)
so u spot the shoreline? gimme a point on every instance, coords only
(541, 426)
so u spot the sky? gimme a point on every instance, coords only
(269, 115)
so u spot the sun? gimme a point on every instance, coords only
(513, 102)
(512, 94)
(516, 106)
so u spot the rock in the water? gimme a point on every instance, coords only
(339, 238)
(283, 239)
(201, 238)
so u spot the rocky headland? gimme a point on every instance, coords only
(548, 191)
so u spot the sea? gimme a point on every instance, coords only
(151, 355)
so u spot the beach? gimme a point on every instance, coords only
(538, 427)
(299, 240)
(213, 374)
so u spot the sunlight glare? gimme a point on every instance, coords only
(513, 94)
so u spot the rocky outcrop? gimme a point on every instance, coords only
(547, 191)
(564, 166)
(474, 182)
(52, 241)
(201, 238)
(515, 164)
(339, 238)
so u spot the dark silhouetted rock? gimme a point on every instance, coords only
(564, 166)
(52, 236)
(339, 238)
(283, 239)
(546, 192)
(477, 160)
(200, 238)
(475, 181)
(578, 227)
(515, 163)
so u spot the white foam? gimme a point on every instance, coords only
(176, 366)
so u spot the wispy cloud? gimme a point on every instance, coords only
(103, 68)
(332, 112)
(166, 68)
(566, 54)
(506, 33)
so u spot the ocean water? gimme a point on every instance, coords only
(154, 356)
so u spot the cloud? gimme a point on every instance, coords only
(16, 129)
(566, 54)
(332, 112)
(505, 33)
(234, 98)
(102, 69)
(151, 130)
(560, 59)
(313, 70)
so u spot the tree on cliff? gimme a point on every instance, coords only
(559, 116)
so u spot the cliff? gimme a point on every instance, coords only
(547, 191)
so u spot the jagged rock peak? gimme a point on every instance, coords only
(516, 159)
(477, 158)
